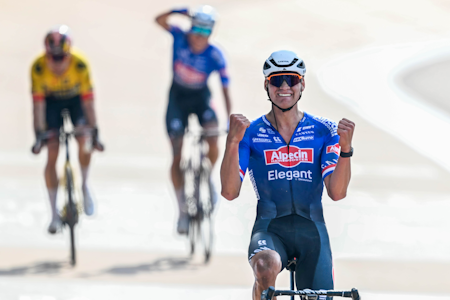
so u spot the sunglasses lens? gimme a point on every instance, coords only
(291, 80)
(201, 31)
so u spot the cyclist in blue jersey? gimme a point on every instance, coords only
(194, 59)
(289, 155)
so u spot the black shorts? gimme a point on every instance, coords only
(53, 110)
(295, 236)
(182, 103)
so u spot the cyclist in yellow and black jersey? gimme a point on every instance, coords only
(60, 80)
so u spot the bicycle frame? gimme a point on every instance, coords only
(70, 209)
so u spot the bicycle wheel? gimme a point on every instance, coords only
(71, 212)
(192, 235)
(206, 209)
(190, 196)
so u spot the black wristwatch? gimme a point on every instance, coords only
(347, 154)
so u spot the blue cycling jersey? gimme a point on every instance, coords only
(192, 70)
(288, 177)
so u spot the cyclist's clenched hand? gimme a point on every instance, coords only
(238, 125)
(40, 141)
(345, 132)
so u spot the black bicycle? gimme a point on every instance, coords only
(306, 294)
(198, 191)
(72, 208)
(70, 212)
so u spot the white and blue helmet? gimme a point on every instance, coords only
(284, 61)
(204, 17)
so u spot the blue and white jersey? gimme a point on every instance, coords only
(288, 178)
(192, 70)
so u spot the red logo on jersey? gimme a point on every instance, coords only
(188, 74)
(290, 159)
(334, 148)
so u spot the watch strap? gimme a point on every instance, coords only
(347, 154)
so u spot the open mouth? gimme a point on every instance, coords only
(284, 95)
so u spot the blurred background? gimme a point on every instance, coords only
(383, 64)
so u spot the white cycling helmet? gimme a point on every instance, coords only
(204, 17)
(284, 61)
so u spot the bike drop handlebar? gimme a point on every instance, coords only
(206, 132)
(309, 294)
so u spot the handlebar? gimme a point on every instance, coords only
(206, 132)
(309, 294)
(44, 137)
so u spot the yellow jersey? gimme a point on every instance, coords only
(74, 82)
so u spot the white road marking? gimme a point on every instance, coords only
(364, 82)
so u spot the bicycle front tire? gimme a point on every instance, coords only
(206, 207)
(71, 212)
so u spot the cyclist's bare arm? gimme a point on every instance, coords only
(39, 116)
(337, 182)
(226, 96)
(229, 171)
(88, 108)
(89, 112)
(162, 18)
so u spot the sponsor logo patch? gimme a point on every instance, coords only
(188, 74)
(290, 175)
(262, 130)
(261, 140)
(290, 159)
(262, 135)
(333, 148)
(262, 243)
(332, 127)
(304, 138)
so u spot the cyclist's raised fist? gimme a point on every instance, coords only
(345, 132)
(238, 125)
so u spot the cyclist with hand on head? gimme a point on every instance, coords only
(290, 155)
(194, 59)
(60, 80)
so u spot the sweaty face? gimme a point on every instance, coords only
(285, 96)
(198, 42)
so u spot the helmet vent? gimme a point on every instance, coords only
(266, 66)
(301, 65)
(289, 65)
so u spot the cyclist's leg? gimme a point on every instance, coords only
(324, 278)
(51, 178)
(267, 257)
(53, 120)
(176, 121)
(208, 120)
(314, 267)
(84, 157)
(213, 152)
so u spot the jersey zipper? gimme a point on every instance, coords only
(293, 210)
(290, 184)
